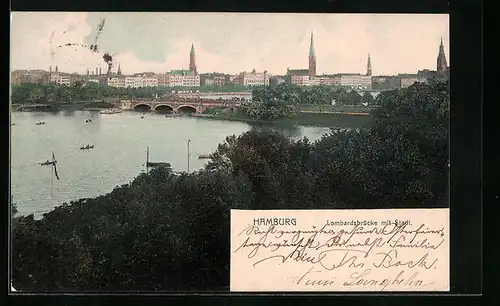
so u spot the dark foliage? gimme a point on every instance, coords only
(171, 232)
(309, 95)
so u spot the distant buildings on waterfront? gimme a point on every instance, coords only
(191, 77)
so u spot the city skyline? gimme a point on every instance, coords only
(233, 43)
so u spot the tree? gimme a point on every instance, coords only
(354, 97)
(367, 98)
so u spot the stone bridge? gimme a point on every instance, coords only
(177, 105)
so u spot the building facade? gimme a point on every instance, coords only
(177, 78)
(379, 82)
(163, 79)
(209, 82)
(253, 78)
(355, 80)
(19, 77)
(117, 81)
(190, 81)
(134, 81)
(149, 81)
(219, 80)
(60, 79)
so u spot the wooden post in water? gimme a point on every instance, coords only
(52, 182)
(147, 160)
(52, 179)
(189, 141)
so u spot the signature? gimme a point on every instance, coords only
(332, 249)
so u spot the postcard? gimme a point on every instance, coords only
(153, 151)
(340, 250)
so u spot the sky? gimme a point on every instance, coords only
(228, 42)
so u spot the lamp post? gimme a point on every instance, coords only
(188, 155)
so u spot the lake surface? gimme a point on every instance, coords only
(119, 154)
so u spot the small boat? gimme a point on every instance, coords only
(87, 147)
(12, 124)
(46, 163)
(204, 156)
(142, 117)
(40, 123)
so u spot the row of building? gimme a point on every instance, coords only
(191, 78)
(186, 78)
(308, 77)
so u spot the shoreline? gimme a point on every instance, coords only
(313, 119)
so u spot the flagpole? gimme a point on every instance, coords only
(52, 178)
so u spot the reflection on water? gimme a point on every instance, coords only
(285, 128)
(119, 154)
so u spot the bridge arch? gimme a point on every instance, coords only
(164, 109)
(186, 109)
(142, 107)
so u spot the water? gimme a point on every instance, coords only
(119, 154)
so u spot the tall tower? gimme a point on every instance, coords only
(312, 58)
(192, 60)
(119, 72)
(442, 65)
(369, 66)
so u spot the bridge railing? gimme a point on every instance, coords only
(186, 101)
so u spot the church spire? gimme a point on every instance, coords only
(311, 46)
(369, 66)
(442, 65)
(192, 60)
(119, 70)
(312, 59)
